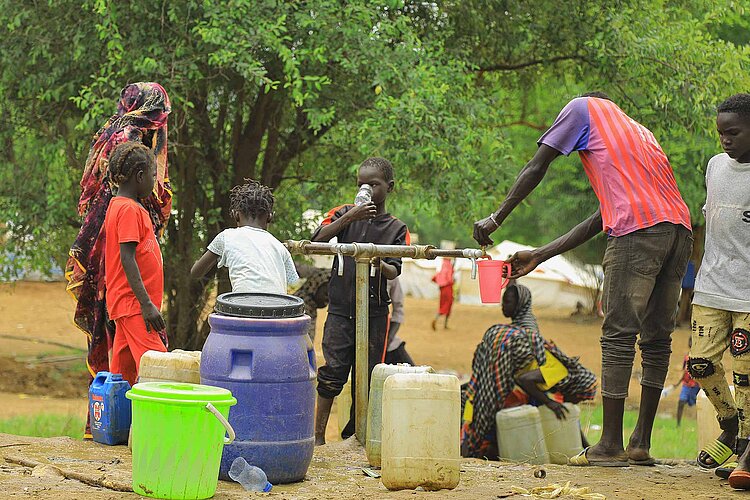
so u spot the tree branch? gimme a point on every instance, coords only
(524, 123)
(534, 62)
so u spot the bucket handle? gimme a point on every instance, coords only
(505, 274)
(227, 440)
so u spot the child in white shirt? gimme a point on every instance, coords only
(257, 261)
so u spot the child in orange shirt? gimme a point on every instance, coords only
(134, 267)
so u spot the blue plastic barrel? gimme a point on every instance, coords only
(259, 349)
(109, 409)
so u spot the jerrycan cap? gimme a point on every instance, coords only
(259, 305)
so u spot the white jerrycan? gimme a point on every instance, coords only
(421, 431)
(562, 437)
(375, 406)
(519, 435)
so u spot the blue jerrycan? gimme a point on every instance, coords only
(109, 409)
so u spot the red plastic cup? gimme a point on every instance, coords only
(494, 275)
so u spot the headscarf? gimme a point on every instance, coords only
(307, 291)
(522, 317)
(141, 116)
(503, 352)
(143, 107)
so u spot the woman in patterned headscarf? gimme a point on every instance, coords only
(141, 116)
(516, 355)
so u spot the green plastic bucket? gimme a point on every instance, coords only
(178, 437)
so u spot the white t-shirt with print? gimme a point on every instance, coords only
(257, 261)
(722, 279)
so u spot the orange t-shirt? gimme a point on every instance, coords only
(128, 222)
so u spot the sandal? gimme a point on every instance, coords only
(581, 460)
(725, 470)
(739, 479)
(646, 462)
(717, 451)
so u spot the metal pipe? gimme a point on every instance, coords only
(372, 250)
(362, 347)
(362, 253)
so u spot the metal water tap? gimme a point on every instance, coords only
(339, 258)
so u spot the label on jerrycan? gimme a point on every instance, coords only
(97, 406)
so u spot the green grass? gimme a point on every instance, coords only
(44, 425)
(667, 440)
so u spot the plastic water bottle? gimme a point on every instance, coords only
(364, 195)
(250, 477)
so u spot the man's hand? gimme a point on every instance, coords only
(483, 228)
(361, 212)
(558, 408)
(523, 262)
(152, 317)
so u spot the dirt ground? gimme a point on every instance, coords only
(335, 472)
(43, 312)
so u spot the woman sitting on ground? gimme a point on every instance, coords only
(515, 365)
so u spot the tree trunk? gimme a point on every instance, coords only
(183, 294)
(205, 147)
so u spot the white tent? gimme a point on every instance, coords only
(556, 283)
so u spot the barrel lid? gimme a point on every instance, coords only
(181, 392)
(259, 305)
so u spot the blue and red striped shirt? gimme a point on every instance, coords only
(627, 169)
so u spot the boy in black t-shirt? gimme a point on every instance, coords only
(367, 223)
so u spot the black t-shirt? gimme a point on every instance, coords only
(384, 229)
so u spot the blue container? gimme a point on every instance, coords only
(268, 363)
(109, 409)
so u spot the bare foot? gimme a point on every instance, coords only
(642, 455)
(601, 452)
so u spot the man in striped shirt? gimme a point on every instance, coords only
(649, 241)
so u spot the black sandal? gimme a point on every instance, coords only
(725, 470)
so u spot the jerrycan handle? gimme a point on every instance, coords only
(100, 379)
(227, 440)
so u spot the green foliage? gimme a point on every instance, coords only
(668, 441)
(297, 94)
(44, 425)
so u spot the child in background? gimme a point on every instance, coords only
(396, 352)
(690, 388)
(444, 280)
(134, 267)
(365, 223)
(721, 303)
(257, 261)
